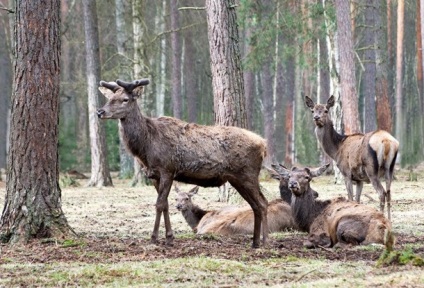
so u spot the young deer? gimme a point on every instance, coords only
(170, 149)
(360, 157)
(231, 220)
(333, 222)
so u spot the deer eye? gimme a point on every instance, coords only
(325, 111)
(125, 100)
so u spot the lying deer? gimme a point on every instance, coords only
(230, 220)
(360, 157)
(170, 149)
(337, 222)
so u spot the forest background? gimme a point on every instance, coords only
(289, 49)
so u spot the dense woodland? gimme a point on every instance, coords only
(288, 49)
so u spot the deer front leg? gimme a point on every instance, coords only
(163, 187)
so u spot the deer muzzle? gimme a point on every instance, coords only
(100, 113)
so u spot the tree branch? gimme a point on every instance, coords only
(6, 9)
(192, 8)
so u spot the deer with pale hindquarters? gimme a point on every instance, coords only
(360, 157)
(337, 222)
(231, 220)
(170, 149)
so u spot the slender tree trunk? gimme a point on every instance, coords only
(384, 115)
(227, 77)
(176, 61)
(100, 175)
(399, 63)
(347, 68)
(189, 75)
(370, 118)
(249, 81)
(268, 110)
(419, 49)
(161, 68)
(33, 197)
(126, 161)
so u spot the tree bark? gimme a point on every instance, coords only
(190, 75)
(176, 60)
(126, 161)
(384, 115)
(369, 77)
(347, 68)
(227, 77)
(399, 63)
(100, 175)
(33, 197)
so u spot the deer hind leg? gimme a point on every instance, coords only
(162, 207)
(250, 191)
(381, 192)
(359, 186)
(388, 175)
(349, 188)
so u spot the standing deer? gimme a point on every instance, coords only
(336, 222)
(360, 157)
(170, 149)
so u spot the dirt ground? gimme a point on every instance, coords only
(114, 225)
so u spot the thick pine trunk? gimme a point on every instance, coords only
(33, 196)
(347, 68)
(227, 77)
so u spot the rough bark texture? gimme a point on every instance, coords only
(227, 78)
(399, 62)
(5, 83)
(370, 122)
(384, 115)
(100, 175)
(347, 68)
(33, 196)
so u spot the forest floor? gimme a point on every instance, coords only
(114, 225)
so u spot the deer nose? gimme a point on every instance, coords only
(292, 184)
(316, 117)
(100, 113)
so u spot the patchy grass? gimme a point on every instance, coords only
(114, 249)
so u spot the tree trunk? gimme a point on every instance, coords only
(126, 161)
(249, 81)
(370, 119)
(137, 8)
(190, 75)
(100, 175)
(268, 110)
(347, 68)
(384, 115)
(33, 197)
(176, 61)
(227, 77)
(161, 68)
(399, 63)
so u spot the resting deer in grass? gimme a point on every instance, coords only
(170, 149)
(337, 222)
(360, 157)
(231, 220)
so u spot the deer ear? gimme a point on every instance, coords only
(318, 171)
(137, 91)
(273, 173)
(330, 102)
(106, 92)
(309, 102)
(193, 191)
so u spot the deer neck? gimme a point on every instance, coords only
(193, 215)
(305, 209)
(329, 139)
(134, 131)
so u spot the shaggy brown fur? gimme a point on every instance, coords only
(231, 220)
(360, 157)
(171, 149)
(333, 222)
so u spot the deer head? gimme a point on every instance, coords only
(320, 111)
(122, 97)
(183, 199)
(299, 178)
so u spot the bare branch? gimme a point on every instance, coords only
(192, 8)
(6, 9)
